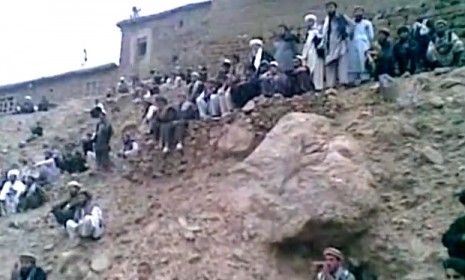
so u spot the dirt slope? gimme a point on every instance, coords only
(176, 214)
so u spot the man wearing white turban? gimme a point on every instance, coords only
(312, 60)
(11, 192)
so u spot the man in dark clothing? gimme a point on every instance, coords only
(275, 82)
(88, 144)
(44, 104)
(405, 52)
(258, 54)
(196, 87)
(248, 89)
(454, 268)
(34, 197)
(384, 61)
(103, 134)
(27, 269)
(66, 209)
(301, 80)
(423, 32)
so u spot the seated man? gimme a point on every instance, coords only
(12, 190)
(208, 103)
(405, 51)
(196, 87)
(44, 104)
(122, 86)
(332, 267)
(274, 81)
(302, 81)
(88, 219)
(27, 106)
(454, 239)
(48, 170)
(37, 130)
(33, 197)
(186, 111)
(65, 210)
(445, 48)
(28, 269)
(166, 115)
(88, 145)
(224, 95)
(380, 58)
(130, 147)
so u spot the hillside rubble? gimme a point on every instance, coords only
(206, 214)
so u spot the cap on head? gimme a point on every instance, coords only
(274, 64)
(86, 193)
(331, 3)
(359, 8)
(441, 22)
(28, 256)
(330, 251)
(256, 42)
(74, 184)
(403, 29)
(227, 61)
(310, 17)
(27, 97)
(385, 31)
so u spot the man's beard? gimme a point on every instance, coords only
(331, 14)
(441, 33)
(24, 271)
(358, 18)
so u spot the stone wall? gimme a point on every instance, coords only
(89, 82)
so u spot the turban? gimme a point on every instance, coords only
(310, 17)
(331, 3)
(13, 172)
(28, 256)
(256, 42)
(385, 31)
(333, 252)
(227, 61)
(195, 74)
(274, 63)
(441, 21)
(361, 8)
(121, 79)
(74, 184)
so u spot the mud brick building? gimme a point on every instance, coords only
(86, 82)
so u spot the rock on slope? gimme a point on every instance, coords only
(303, 183)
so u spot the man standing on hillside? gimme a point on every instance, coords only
(335, 36)
(103, 134)
(359, 44)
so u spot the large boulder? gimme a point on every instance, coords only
(236, 138)
(302, 183)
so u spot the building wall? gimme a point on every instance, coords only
(59, 90)
(183, 34)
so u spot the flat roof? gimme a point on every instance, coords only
(71, 74)
(162, 15)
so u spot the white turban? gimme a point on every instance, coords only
(13, 172)
(121, 79)
(254, 42)
(227, 61)
(28, 97)
(274, 63)
(310, 17)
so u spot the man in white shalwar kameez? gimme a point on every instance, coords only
(88, 219)
(309, 53)
(360, 43)
(336, 30)
(11, 192)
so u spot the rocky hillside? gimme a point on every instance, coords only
(257, 195)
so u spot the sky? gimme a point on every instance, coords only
(48, 37)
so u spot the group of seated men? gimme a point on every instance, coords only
(20, 193)
(27, 106)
